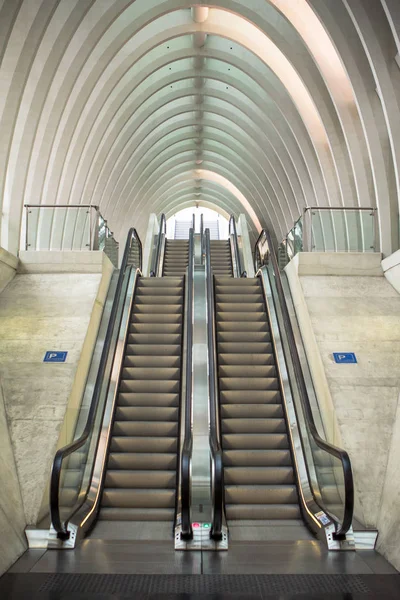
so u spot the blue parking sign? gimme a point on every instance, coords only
(344, 358)
(55, 356)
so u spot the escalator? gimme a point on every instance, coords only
(140, 484)
(273, 465)
(258, 470)
(132, 461)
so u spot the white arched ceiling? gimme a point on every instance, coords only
(255, 106)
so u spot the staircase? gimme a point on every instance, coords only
(182, 229)
(140, 483)
(220, 257)
(213, 226)
(176, 258)
(258, 472)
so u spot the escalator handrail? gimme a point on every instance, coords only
(186, 455)
(233, 231)
(162, 231)
(217, 473)
(67, 450)
(339, 453)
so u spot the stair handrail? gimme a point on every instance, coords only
(65, 451)
(217, 472)
(186, 453)
(233, 233)
(157, 257)
(339, 453)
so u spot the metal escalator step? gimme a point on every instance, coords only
(240, 316)
(238, 282)
(161, 299)
(154, 338)
(153, 361)
(127, 479)
(239, 299)
(255, 411)
(156, 386)
(148, 350)
(257, 348)
(242, 326)
(159, 282)
(250, 475)
(251, 371)
(249, 359)
(149, 292)
(253, 425)
(250, 396)
(243, 336)
(253, 308)
(160, 317)
(143, 444)
(247, 383)
(262, 512)
(261, 458)
(136, 514)
(254, 441)
(148, 399)
(149, 373)
(140, 498)
(145, 428)
(155, 328)
(261, 494)
(144, 460)
(146, 413)
(158, 309)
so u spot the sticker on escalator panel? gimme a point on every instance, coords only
(323, 518)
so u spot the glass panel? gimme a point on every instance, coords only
(58, 228)
(298, 236)
(325, 471)
(350, 230)
(77, 468)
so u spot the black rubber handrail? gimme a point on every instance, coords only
(232, 231)
(186, 455)
(217, 472)
(162, 231)
(67, 450)
(342, 455)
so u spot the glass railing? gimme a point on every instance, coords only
(325, 229)
(327, 473)
(65, 227)
(74, 463)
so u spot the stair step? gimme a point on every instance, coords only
(145, 460)
(156, 386)
(251, 476)
(127, 479)
(159, 282)
(250, 396)
(149, 350)
(245, 359)
(147, 399)
(254, 441)
(261, 458)
(261, 494)
(143, 444)
(155, 328)
(138, 498)
(145, 428)
(262, 512)
(252, 372)
(241, 326)
(152, 361)
(251, 425)
(255, 411)
(136, 514)
(248, 384)
(147, 413)
(149, 373)
(243, 336)
(257, 348)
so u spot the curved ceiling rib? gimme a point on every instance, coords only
(262, 107)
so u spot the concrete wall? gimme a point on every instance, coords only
(42, 311)
(344, 304)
